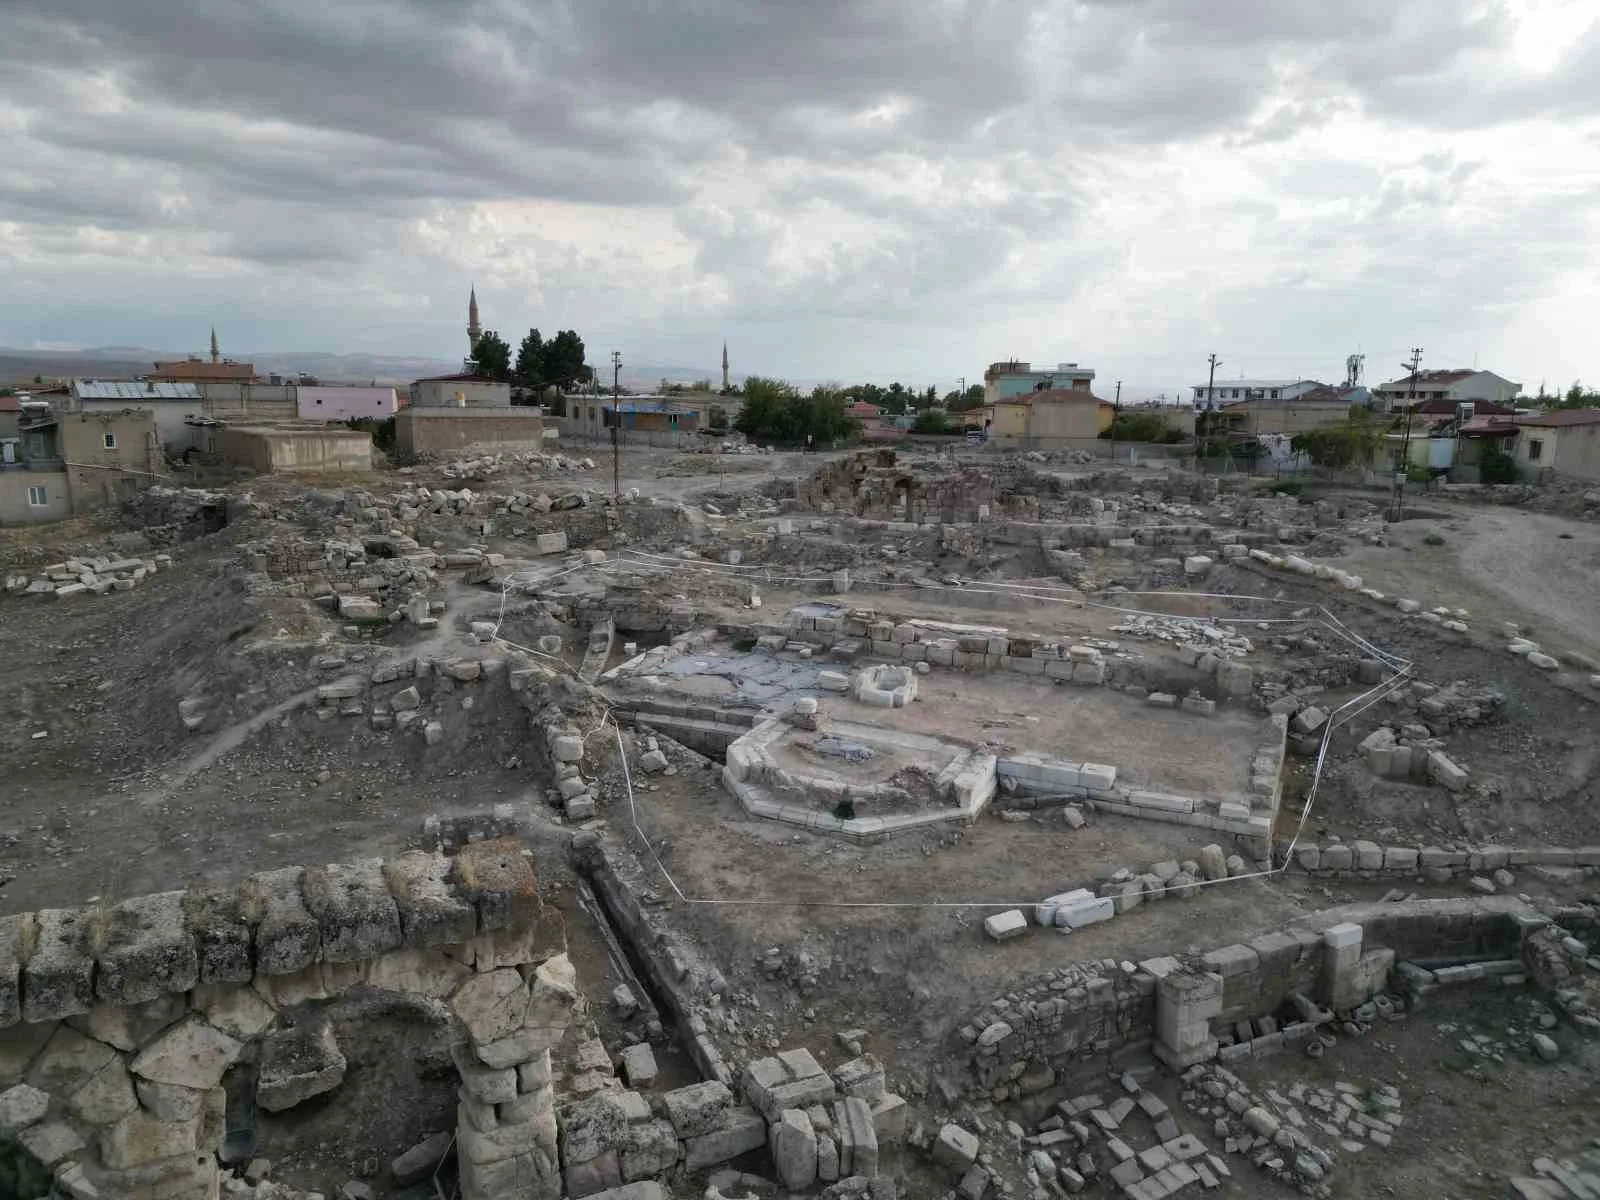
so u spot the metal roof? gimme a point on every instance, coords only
(132, 389)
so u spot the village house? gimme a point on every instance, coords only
(1454, 386)
(73, 463)
(1563, 440)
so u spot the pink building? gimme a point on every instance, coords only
(345, 403)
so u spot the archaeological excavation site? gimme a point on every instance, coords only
(878, 824)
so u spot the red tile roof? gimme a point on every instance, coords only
(1427, 378)
(10, 404)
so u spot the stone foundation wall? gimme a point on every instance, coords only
(118, 1023)
(1204, 1005)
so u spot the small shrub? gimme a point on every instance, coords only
(1285, 487)
(845, 810)
(1433, 539)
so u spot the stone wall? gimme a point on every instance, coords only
(119, 1022)
(872, 484)
(421, 431)
(1226, 1002)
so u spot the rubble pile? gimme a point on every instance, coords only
(1295, 1135)
(81, 576)
(483, 466)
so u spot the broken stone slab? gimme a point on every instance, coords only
(298, 1063)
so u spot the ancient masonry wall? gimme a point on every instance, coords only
(1225, 1003)
(118, 1023)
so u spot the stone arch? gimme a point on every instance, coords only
(118, 1025)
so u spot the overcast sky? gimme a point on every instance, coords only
(843, 189)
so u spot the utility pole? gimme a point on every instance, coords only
(616, 424)
(1211, 401)
(1405, 441)
(1116, 411)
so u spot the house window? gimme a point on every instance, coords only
(110, 440)
(37, 497)
(1235, 393)
(1274, 393)
(1535, 449)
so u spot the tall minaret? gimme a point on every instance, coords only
(724, 366)
(474, 330)
(214, 355)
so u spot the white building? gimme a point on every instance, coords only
(1227, 391)
(1456, 385)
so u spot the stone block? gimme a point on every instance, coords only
(890, 1117)
(698, 1109)
(67, 1061)
(1337, 858)
(356, 916)
(793, 1146)
(1097, 777)
(191, 1054)
(1368, 856)
(740, 1130)
(500, 882)
(140, 1139)
(287, 935)
(106, 1097)
(20, 1107)
(639, 1065)
(1088, 912)
(1045, 911)
(59, 979)
(1400, 859)
(862, 1077)
(50, 1142)
(298, 1062)
(856, 1136)
(955, 1147)
(1229, 961)
(219, 923)
(1003, 926)
(481, 1084)
(430, 910)
(492, 1006)
(147, 951)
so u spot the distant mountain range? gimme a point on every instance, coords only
(20, 366)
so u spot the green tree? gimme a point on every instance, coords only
(1577, 396)
(529, 370)
(934, 422)
(563, 359)
(1351, 443)
(493, 355)
(774, 411)
(1141, 427)
(929, 398)
(965, 401)
(896, 400)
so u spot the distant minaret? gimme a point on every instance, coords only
(724, 366)
(214, 355)
(474, 330)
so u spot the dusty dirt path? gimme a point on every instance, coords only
(1539, 571)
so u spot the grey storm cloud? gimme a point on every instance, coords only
(924, 162)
